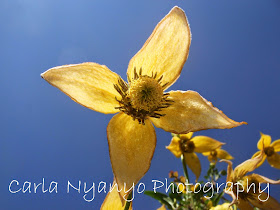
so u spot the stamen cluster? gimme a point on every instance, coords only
(269, 151)
(244, 187)
(186, 145)
(142, 96)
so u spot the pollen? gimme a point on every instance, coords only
(145, 93)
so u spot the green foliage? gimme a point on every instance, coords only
(195, 200)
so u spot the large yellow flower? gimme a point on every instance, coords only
(249, 197)
(184, 144)
(270, 150)
(142, 101)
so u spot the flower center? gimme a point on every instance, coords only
(213, 153)
(186, 145)
(145, 93)
(247, 184)
(142, 97)
(213, 156)
(269, 151)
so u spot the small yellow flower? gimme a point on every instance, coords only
(141, 102)
(270, 150)
(161, 208)
(184, 144)
(237, 178)
(224, 206)
(217, 153)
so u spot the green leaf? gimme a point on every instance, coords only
(162, 198)
(175, 195)
(217, 198)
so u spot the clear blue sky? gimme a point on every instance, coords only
(233, 62)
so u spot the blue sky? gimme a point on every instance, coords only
(233, 62)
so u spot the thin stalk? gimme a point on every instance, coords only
(185, 167)
(127, 205)
(187, 177)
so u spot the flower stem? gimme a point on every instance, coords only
(128, 201)
(187, 177)
(185, 167)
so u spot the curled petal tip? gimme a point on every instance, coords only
(177, 8)
(226, 161)
(191, 112)
(240, 123)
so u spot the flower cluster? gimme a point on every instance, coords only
(245, 189)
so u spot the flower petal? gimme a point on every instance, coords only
(205, 144)
(263, 159)
(274, 160)
(224, 206)
(187, 136)
(265, 141)
(229, 170)
(262, 179)
(89, 84)
(256, 154)
(166, 50)
(276, 145)
(222, 154)
(193, 162)
(191, 112)
(131, 147)
(231, 193)
(206, 153)
(113, 200)
(161, 208)
(247, 166)
(259, 201)
(174, 146)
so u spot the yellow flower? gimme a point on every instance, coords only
(270, 151)
(217, 153)
(184, 144)
(224, 206)
(142, 101)
(237, 179)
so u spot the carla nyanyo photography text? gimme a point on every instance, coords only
(89, 191)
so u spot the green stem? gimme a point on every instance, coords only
(185, 167)
(127, 205)
(187, 176)
(216, 201)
